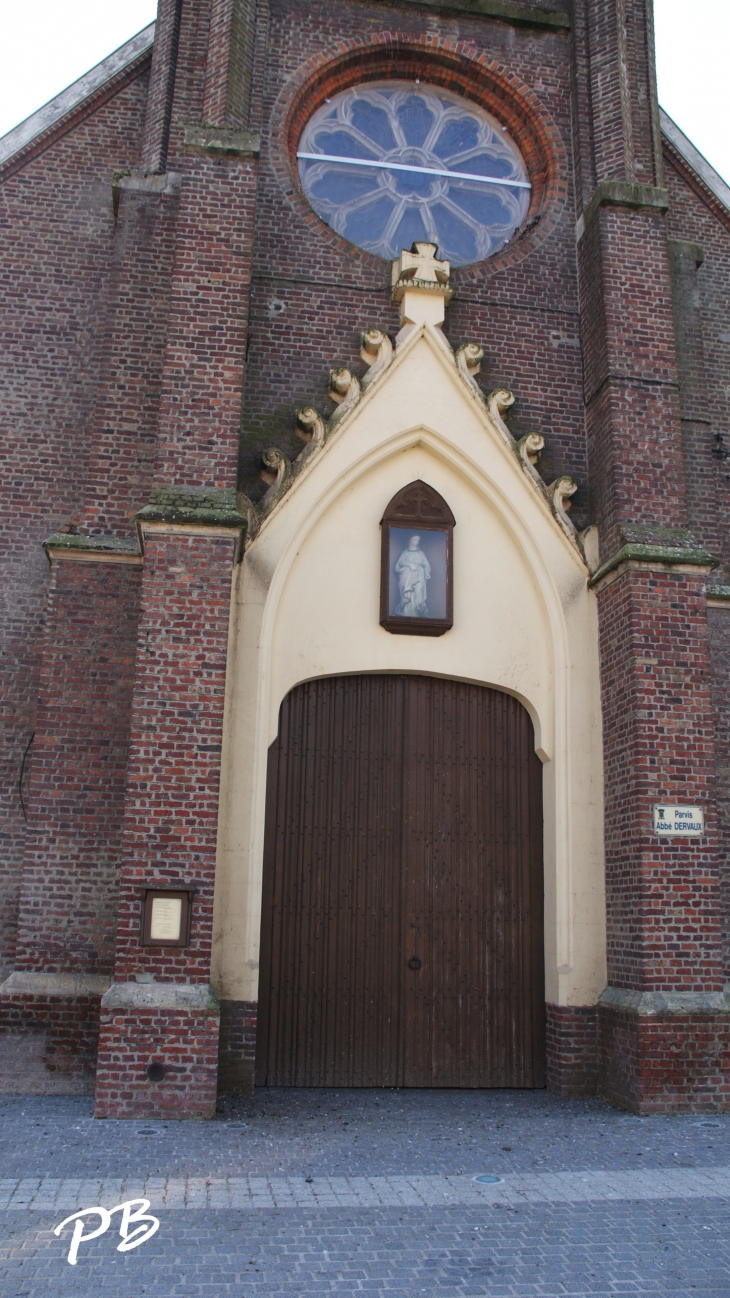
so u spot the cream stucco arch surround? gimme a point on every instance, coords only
(305, 605)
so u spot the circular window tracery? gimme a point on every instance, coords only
(388, 164)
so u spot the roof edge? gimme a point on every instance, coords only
(46, 117)
(694, 159)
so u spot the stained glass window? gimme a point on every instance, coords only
(387, 164)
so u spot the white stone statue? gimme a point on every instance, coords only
(414, 573)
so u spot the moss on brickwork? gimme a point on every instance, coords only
(655, 543)
(656, 534)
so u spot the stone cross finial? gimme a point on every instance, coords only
(421, 285)
(422, 264)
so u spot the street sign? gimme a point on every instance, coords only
(671, 821)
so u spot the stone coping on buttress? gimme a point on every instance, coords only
(669, 554)
(29, 983)
(224, 141)
(647, 1003)
(167, 996)
(201, 506)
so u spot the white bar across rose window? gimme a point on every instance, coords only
(424, 171)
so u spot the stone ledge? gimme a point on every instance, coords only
(652, 1003)
(54, 984)
(198, 517)
(144, 182)
(685, 247)
(113, 549)
(619, 193)
(667, 554)
(526, 15)
(147, 182)
(197, 506)
(223, 141)
(719, 593)
(165, 996)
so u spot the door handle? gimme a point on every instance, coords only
(414, 962)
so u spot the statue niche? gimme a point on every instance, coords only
(416, 574)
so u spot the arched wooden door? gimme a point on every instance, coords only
(402, 927)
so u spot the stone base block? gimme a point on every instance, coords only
(665, 1053)
(571, 1044)
(158, 1051)
(237, 1048)
(49, 1030)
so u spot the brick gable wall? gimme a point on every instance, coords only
(56, 230)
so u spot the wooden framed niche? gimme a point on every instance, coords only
(417, 563)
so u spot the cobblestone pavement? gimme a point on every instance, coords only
(370, 1193)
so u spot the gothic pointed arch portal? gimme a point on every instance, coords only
(402, 921)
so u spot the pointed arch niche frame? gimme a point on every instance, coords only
(419, 514)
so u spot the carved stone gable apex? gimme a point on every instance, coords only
(421, 285)
(419, 503)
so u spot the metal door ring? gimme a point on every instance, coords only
(414, 962)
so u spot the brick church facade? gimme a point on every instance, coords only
(249, 828)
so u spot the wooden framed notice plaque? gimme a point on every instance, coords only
(166, 916)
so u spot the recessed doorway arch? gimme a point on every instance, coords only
(402, 922)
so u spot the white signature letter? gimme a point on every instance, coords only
(144, 1232)
(78, 1234)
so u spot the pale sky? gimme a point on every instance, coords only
(47, 44)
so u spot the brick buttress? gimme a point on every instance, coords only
(158, 1046)
(663, 1021)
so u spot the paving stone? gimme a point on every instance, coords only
(573, 1216)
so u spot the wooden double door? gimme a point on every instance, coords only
(402, 926)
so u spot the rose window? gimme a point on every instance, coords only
(388, 164)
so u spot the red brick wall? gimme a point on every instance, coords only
(186, 1046)
(127, 405)
(229, 68)
(176, 82)
(237, 1047)
(696, 216)
(691, 217)
(665, 1063)
(171, 825)
(171, 818)
(719, 628)
(69, 1024)
(200, 411)
(67, 920)
(663, 903)
(634, 442)
(571, 1049)
(55, 236)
